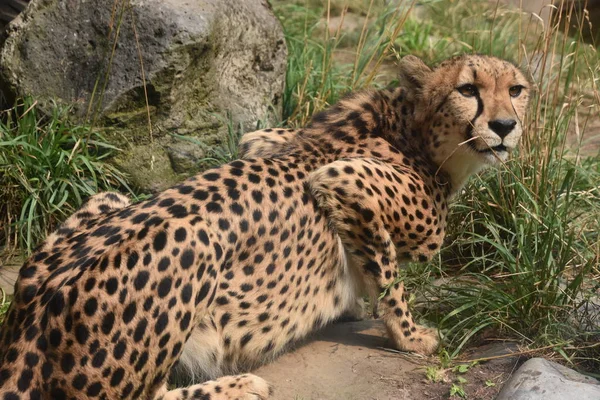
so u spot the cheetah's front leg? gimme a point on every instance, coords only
(240, 387)
(362, 201)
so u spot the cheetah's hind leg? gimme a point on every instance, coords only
(265, 143)
(240, 387)
(96, 205)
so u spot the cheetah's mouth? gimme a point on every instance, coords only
(496, 149)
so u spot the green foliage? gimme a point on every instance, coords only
(457, 389)
(526, 249)
(435, 374)
(315, 79)
(4, 304)
(48, 166)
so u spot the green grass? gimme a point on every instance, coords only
(4, 304)
(523, 246)
(48, 166)
(314, 79)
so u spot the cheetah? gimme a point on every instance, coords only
(224, 271)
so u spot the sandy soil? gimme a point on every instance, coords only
(352, 361)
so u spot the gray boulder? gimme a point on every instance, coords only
(540, 379)
(204, 61)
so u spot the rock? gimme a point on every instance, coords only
(203, 60)
(184, 156)
(546, 380)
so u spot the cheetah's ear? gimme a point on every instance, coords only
(413, 72)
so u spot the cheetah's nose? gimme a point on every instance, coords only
(502, 127)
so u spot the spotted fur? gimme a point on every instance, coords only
(224, 271)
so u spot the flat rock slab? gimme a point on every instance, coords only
(344, 361)
(540, 379)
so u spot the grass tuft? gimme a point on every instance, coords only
(48, 166)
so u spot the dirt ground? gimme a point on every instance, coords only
(352, 361)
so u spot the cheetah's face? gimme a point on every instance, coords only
(489, 99)
(474, 105)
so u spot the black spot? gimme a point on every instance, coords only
(185, 321)
(129, 312)
(164, 263)
(236, 208)
(223, 224)
(119, 350)
(246, 287)
(81, 333)
(141, 280)
(98, 359)
(225, 319)
(161, 323)
(200, 195)
(25, 380)
(257, 196)
(164, 287)
(67, 362)
(132, 260)
(222, 300)
(186, 293)
(160, 241)
(254, 178)
(94, 389)
(187, 259)
(140, 330)
(79, 381)
(203, 237)
(117, 377)
(263, 317)
(55, 337)
(57, 303)
(262, 298)
(367, 214)
(214, 207)
(108, 322)
(211, 176)
(203, 292)
(373, 267)
(90, 307)
(180, 235)
(31, 359)
(245, 339)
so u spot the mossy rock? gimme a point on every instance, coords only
(203, 62)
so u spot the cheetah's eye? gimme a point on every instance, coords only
(515, 91)
(467, 90)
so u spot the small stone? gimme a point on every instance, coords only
(540, 379)
(185, 157)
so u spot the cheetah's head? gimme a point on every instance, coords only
(473, 107)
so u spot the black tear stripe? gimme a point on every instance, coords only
(477, 114)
